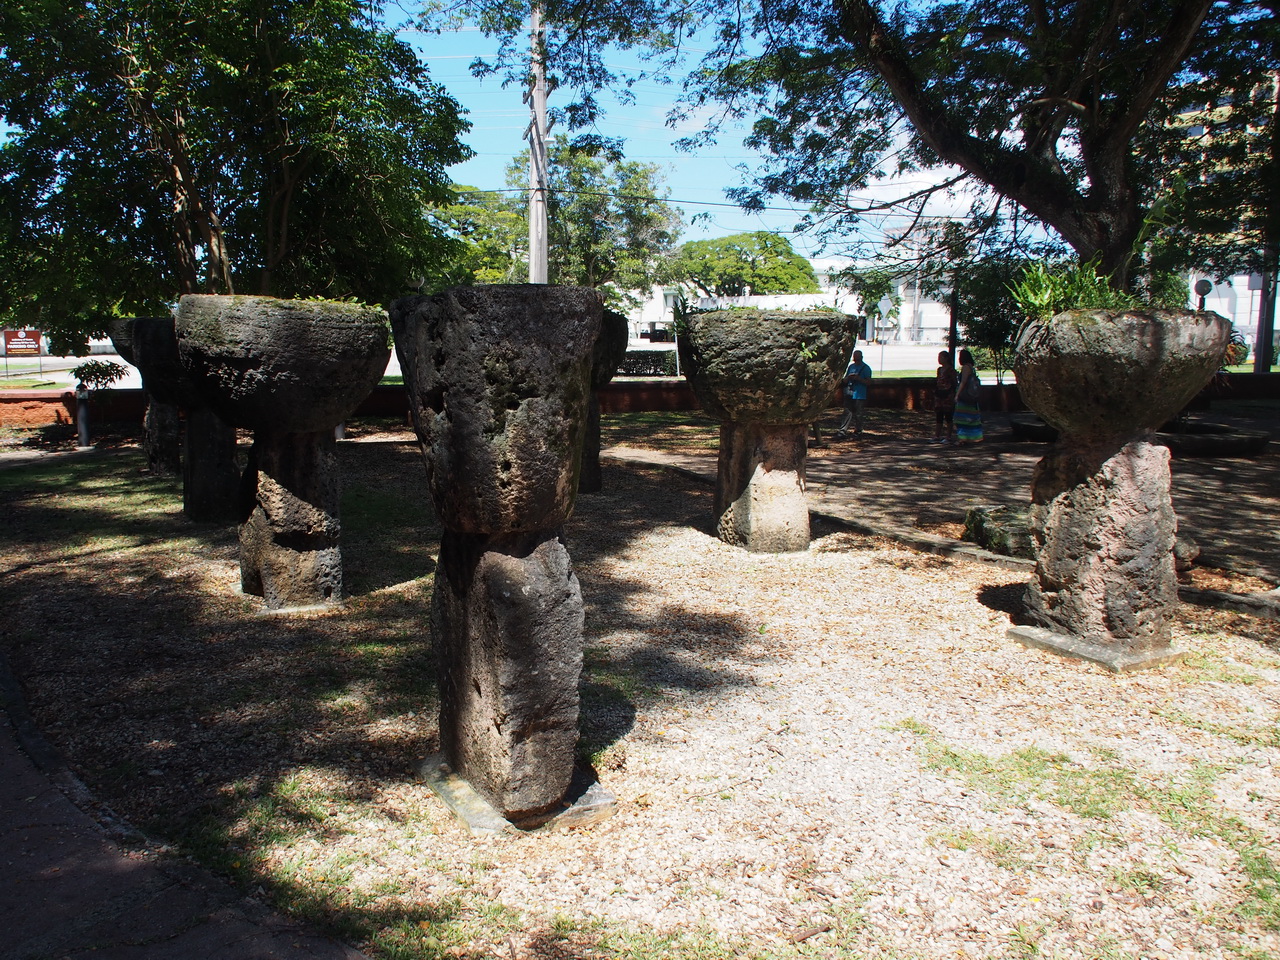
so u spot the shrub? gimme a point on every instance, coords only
(98, 374)
(649, 363)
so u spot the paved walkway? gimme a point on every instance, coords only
(893, 485)
(72, 886)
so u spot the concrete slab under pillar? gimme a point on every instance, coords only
(585, 803)
(1120, 661)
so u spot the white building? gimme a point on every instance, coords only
(920, 319)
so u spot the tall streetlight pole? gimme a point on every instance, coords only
(537, 136)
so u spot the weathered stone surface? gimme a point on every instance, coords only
(765, 375)
(760, 502)
(610, 349)
(1101, 514)
(507, 617)
(206, 452)
(1112, 373)
(295, 366)
(1104, 528)
(289, 543)
(1000, 529)
(499, 380)
(765, 366)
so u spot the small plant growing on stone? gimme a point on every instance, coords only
(1042, 292)
(98, 374)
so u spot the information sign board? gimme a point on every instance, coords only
(22, 343)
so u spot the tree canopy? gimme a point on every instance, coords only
(1033, 108)
(288, 147)
(744, 263)
(609, 223)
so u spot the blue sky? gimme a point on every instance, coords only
(696, 180)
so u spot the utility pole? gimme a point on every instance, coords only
(1265, 338)
(537, 136)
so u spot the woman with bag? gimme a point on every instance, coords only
(968, 417)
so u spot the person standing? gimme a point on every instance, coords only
(968, 417)
(856, 380)
(944, 400)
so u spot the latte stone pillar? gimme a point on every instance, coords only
(291, 371)
(610, 349)
(499, 379)
(1102, 516)
(766, 375)
(210, 473)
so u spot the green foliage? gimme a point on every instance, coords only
(1037, 106)
(495, 235)
(1237, 349)
(1212, 136)
(648, 363)
(98, 374)
(1044, 291)
(285, 147)
(609, 224)
(742, 264)
(870, 285)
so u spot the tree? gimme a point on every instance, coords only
(1034, 106)
(494, 233)
(870, 285)
(1218, 139)
(609, 223)
(281, 146)
(989, 315)
(744, 263)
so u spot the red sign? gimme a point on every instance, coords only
(22, 343)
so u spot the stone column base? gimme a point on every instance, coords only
(506, 620)
(760, 502)
(1117, 660)
(289, 545)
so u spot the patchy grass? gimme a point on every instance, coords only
(1186, 803)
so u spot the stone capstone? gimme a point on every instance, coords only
(765, 366)
(295, 366)
(610, 348)
(152, 343)
(498, 380)
(1099, 372)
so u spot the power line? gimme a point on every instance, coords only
(697, 203)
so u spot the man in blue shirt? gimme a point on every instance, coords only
(856, 380)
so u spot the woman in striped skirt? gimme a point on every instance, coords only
(968, 417)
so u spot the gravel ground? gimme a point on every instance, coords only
(836, 753)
